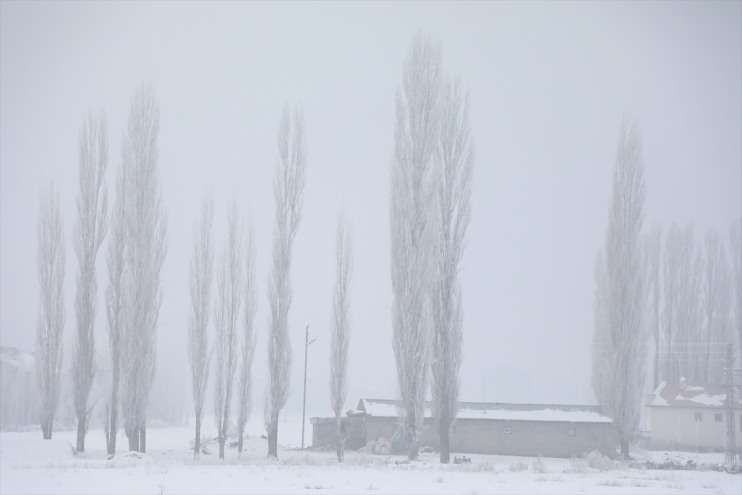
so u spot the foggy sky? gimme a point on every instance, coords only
(549, 84)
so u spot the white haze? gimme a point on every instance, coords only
(549, 84)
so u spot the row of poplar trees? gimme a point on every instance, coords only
(136, 249)
(687, 301)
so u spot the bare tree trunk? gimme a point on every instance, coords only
(81, 429)
(414, 451)
(113, 425)
(239, 444)
(624, 448)
(46, 431)
(338, 437)
(143, 438)
(443, 433)
(273, 442)
(133, 436)
(222, 440)
(197, 442)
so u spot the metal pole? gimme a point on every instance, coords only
(304, 407)
(731, 457)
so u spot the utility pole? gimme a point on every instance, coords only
(304, 407)
(731, 457)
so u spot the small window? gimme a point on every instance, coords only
(507, 430)
(699, 418)
(571, 432)
(718, 417)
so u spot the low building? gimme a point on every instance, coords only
(692, 416)
(483, 428)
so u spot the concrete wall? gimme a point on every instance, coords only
(531, 438)
(482, 436)
(676, 427)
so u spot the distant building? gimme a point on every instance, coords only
(483, 428)
(692, 416)
(19, 397)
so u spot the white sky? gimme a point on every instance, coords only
(549, 85)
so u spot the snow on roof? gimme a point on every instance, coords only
(675, 394)
(498, 411)
(16, 358)
(706, 399)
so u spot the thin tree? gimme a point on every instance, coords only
(735, 254)
(340, 331)
(670, 265)
(50, 260)
(200, 282)
(624, 333)
(288, 185)
(230, 293)
(716, 291)
(412, 222)
(90, 229)
(600, 372)
(244, 394)
(689, 339)
(456, 157)
(115, 305)
(146, 227)
(652, 264)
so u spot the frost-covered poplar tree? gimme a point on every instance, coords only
(652, 263)
(670, 274)
(413, 234)
(288, 185)
(90, 229)
(145, 231)
(716, 289)
(244, 393)
(623, 335)
(600, 372)
(688, 335)
(200, 283)
(115, 305)
(340, 330)
(456, 158)
(735, 254)
(50, 260)
(229, 294)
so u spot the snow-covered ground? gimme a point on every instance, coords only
(29, 464)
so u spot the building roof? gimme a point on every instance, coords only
(695, 395)
(497, 411)
(16, 358)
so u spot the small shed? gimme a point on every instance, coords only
(692, 416)
(494, 428)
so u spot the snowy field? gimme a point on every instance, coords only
(29, 464)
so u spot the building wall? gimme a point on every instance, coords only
(677, 427)
(482, 436)
(530, 438)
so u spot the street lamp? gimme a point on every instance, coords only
(304, 407)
